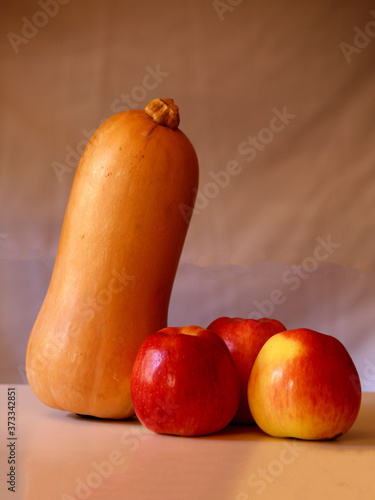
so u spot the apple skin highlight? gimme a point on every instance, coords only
(184, 382)
(304, 384)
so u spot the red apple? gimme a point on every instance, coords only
(184, 382)
(244, 339)
(304, 385)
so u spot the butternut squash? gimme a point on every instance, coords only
(120, 245)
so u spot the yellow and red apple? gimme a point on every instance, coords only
(244, 339)
(184, 382)
(304, 384)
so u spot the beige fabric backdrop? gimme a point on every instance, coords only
(278, 99)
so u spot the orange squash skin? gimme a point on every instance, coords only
(119, 249)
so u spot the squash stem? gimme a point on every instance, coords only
(163, 112)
